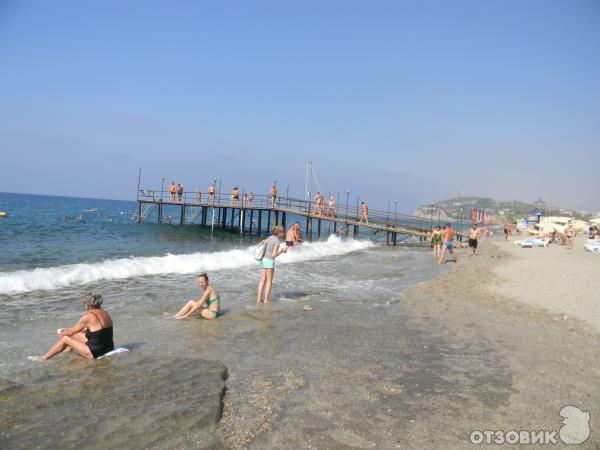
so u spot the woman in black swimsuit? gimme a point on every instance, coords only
(91, 337)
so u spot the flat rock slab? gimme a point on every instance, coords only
(167, 402)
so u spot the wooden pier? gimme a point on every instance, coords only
(258, 216)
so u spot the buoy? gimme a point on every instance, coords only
(307, 308)
(3, 214)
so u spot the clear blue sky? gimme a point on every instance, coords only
(393, 100)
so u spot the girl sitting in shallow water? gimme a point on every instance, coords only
(207, 306)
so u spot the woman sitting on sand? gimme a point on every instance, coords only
(91, 337)
(207, 306)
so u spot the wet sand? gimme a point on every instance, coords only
(452, 357)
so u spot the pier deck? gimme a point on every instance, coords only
(258, 216)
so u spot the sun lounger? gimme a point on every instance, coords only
(593, 246)
(530, 243)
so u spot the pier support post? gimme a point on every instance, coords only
(259, 222)
(356, 230)
(160, 212)
(319, 229)
(269, 221)
(283, 221)
(242, 221)
(224, 218)
(182, 217)
(335, 227)
(276, 218)
(250, 227)
(139, 218)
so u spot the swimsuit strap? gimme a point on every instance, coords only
(92, 312)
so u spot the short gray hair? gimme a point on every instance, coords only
(93, 300)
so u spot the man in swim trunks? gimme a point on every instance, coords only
(211, 194)
(473, 238)
(172, 191)
(447, 236)
(273, 195)
(290, 236)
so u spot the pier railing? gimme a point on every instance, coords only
(340, 212)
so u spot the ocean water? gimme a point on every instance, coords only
(170, 390)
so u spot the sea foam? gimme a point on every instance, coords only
(123, 268)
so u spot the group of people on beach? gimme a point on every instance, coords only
(442, 241)
(92, 336)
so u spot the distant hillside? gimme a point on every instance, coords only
(496, 210)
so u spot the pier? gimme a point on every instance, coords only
(258, 216)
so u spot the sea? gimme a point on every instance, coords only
(195, 383)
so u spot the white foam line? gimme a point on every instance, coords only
(115, 269)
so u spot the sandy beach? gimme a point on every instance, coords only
(533, 315)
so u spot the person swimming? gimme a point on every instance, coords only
(91, 337)
(208, 305)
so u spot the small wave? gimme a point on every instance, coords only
(116, 269)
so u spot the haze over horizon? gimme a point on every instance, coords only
(398, 100)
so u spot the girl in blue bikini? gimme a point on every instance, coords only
(207, 306)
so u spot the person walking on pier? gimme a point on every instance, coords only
(211, 194)
(207, 306)
(250, 199)
(235, 196)
(273, 195)
(244, 200)
(364, 213)
(447, 237)
(172, 191)
(267, 264)
(179, 192)
(331, 207)
(290, 236)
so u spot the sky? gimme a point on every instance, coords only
(402, 100)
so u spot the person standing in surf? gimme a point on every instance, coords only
(267, 264)
(447, 237)
(91, 337)
(207, 306)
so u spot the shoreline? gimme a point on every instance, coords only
(545, 362)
